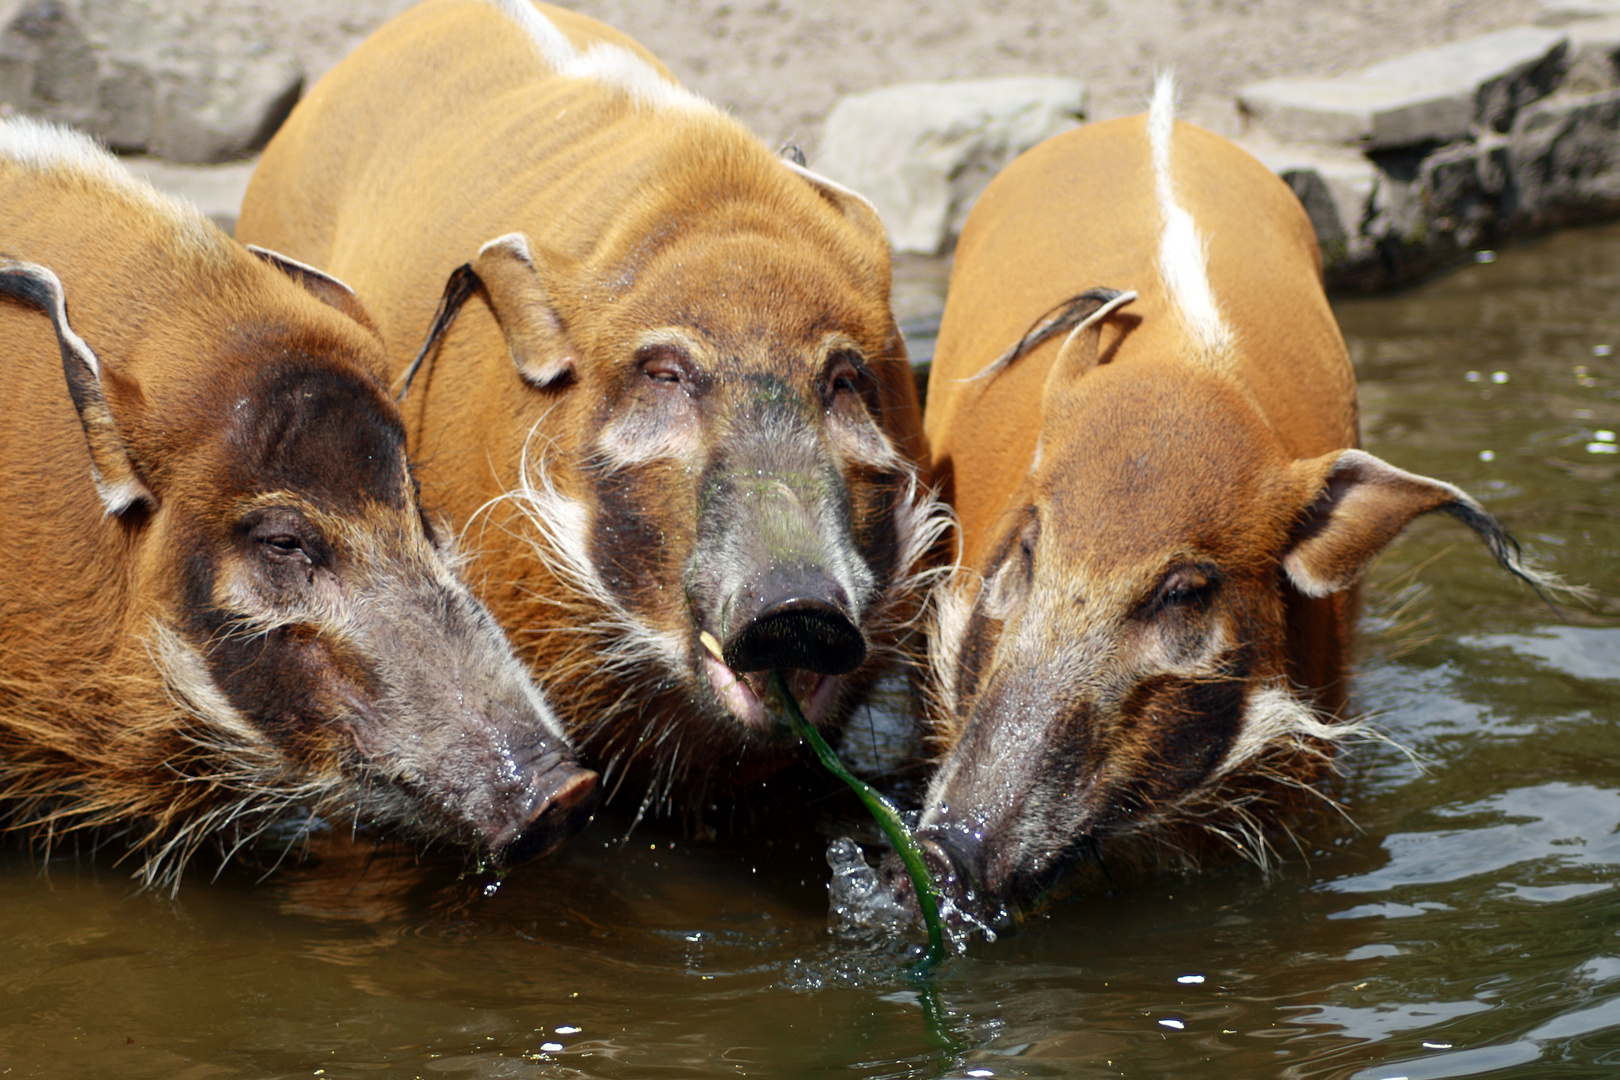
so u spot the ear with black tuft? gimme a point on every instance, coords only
(117, 480)
(1358, 503)
(321, 285)
(515, 285)
(1081, 350)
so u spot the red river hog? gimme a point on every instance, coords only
(222, 603)
(1145, 416)
(664, 397)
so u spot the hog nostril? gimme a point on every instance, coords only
(574, 791)
(799, 633)
(564, 801)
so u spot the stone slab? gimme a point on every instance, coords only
(1434, 95)
(144, 76)
(1568, 12)
(922, 152)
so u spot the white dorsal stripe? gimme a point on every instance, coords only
(610, 65)
(47, 148)
(1183, 261)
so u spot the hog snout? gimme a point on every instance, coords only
(951, 868)
(559, 800)
(799, 621)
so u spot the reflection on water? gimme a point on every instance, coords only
(1470, 928)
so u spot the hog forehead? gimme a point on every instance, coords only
(1147, 467)
(746, 296)
(322, 431)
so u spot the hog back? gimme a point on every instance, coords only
(1078, 211)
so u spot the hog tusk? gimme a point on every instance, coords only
(711, 643)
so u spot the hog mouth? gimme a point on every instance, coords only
(747, 698)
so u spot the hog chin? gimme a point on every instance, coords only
(744, 695)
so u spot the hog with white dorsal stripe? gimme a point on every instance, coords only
(674, 413)
(222, 605)
(1145, 417)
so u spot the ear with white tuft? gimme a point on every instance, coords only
(321, 285)
(854, 206)
(114, 473)
(514, 283)
(1361, 503)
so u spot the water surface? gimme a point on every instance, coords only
(1469, 928)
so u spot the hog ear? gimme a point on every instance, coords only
(523, 306)
(1361, 503)
(1079, 352)
(1082, 317)
(321, 285)
(857, 208)
(116, 479)
(535, 335)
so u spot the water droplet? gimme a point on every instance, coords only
(1601, 350)
(551, 1047)
(1487, 455)
(1602, 435)
(1602, 448)
(1499, 377)
(1189, 980)
(1472, 376)
(568, 1029)
(1176, 1025)
(1484, 256)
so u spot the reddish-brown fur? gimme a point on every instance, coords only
(1162, 512)
(677, 340)
(219, 588)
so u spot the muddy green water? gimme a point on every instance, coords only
(1471, 927)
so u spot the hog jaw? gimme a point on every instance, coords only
(459, 727)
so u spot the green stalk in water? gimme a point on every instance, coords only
(888, 819)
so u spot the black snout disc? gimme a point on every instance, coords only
(800, 634)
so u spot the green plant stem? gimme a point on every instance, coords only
(888, 819)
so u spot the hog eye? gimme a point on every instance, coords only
(285, 537)
(1187, 588)
(285, 548)
(846, 373)
(664, 364)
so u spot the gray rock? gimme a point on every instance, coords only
(1558, 166)
(1566, 12)
(1594, 60)
(1565, 161)
(1336, 187)
(143, 75)
(1432, 96)
(922, 152)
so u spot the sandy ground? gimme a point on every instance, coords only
(779, 65)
